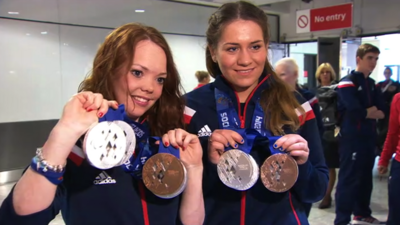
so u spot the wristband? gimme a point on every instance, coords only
(52, 173)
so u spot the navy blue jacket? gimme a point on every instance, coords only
(313, 100)
(355, 94)
(258, 205)
(103, 197)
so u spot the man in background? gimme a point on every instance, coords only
(360, 104)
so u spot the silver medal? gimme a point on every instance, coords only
(105, 145)
(130, 140)
(238, 170)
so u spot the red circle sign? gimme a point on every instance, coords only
(302, 22)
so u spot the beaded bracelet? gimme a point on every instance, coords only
(54, 173)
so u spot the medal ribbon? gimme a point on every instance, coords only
(228, 119)
(163, 149)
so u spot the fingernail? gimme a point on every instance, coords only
(89, 110)
(183, 148)
(242, 140)
(236, 145)
(227, 145)
(280, 149)
(275, 145)
(166, 144)
(116, 104)
(101, 115)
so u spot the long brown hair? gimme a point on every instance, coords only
(278, 99)
(113, 59)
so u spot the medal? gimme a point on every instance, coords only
(130, 140)
(105, 145)
(164, 175)
(237, 170)
(279, 172)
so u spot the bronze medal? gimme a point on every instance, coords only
(164, 175)
(279, 172)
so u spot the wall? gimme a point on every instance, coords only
(41, 67)
(374, 16)
(297, 52)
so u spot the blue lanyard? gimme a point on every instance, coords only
(228, 118)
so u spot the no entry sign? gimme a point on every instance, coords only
(328, 18)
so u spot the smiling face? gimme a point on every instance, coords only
(241, 54)
(142, 86)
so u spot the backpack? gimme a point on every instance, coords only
(327, 99)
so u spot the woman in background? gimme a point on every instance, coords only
(203, 78)
(288, 70)
(389, 88)
(391, 146)
(327, 96)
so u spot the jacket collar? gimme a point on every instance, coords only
(223, 85)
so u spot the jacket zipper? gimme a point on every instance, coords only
(242, 125)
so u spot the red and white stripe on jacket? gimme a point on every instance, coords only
(77, 155)
(188, 114)
(309, 113)
(345, 83)
(313, 101)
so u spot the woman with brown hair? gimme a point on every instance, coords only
(133, 67)
(248, 96)
(203, 78)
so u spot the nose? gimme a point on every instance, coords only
(244, 58)
(147, 85)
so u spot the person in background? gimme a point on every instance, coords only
(288, 70)
(391, 146)
(134, 67)
(389, 88)
(203, 77)
(360, 104)
(327, 97)
(237, 57)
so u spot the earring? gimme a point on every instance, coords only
(214, 60)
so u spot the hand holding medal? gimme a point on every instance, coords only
(80, 113)
(189, 146)
(165, 173)
(236, 167)
(279, 172)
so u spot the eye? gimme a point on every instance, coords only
(256, 47)
(136, 73)
(232, 49)
(161, 80)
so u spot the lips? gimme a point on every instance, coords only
(244, 72)
(142, 101)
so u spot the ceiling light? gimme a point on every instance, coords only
(139, 11)
(13, 13)
(28, 34)
(43, 32)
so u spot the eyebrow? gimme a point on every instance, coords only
(253, 42)
(147, 69)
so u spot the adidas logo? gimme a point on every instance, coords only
(104, 178)
(205, 132)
